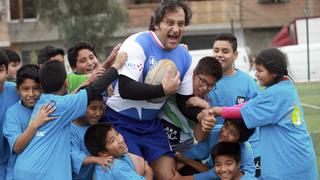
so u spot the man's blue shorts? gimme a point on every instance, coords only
(146, 139)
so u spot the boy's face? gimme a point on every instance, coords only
(86, 62)
(223, 52)
(94, 112)
(225, 167)
(29, 91)
(203, 84)
(229, 133)
(3, 74)
(171, 28)
(12, 70)
(115, 144)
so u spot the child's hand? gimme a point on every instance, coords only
(104, 162)
(110, 90)
(112, 57)
(170, 83)
(120, 60)
(43, 115)
(197, 102)
(207, 120)
(95, 75)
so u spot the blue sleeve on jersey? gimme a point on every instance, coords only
(77, 156)
(11, 129)
(208, 175)
(199, 151)
(120, 170)
(259, 111)
(247, 160)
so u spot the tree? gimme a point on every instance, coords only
(94, 21)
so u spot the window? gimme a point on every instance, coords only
(272, 1)
(22, 9)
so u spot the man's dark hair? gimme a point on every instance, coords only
(209, 66)
(245, 132)
(74, 50)
(231, 149)
(95, 138)
(169, 6)
(48, 52)
(12, 55)
(227, 37)
(52, 76)
(4, 60)
(28, 71)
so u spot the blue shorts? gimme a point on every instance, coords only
(146, 139)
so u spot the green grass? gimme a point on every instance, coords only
(309, 93)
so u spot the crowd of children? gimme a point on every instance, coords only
(97, 122)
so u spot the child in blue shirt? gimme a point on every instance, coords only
(47, 155)
(102, 140)
(226, 158)
(236, 86)
(286, 147)
(16, 128)
(8, 96)
(82, 161)
(230, 132)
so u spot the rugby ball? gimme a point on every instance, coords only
(156, 74)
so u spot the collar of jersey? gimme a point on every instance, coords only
(154, 36)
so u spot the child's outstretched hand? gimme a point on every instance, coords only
(104, 162)
(120, 60)
(94, 75)
(43, 115)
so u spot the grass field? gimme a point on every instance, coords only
(309, 94)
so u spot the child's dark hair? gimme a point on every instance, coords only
(245, 133)
(12, 55)
(52, 76)
(48, 52)
(95, 138)
(169, 6)
(231, 149)
(209, 66)
(274, 61)
(227, 37)
(4, 60)
(74, 50)
(28, 71)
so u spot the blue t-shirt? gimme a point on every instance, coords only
(47, 156)
(8, 96)
(17, 121)
(144, 51)
(232, 90)
(78, 153)
(122, 168)
(286, 147)
(202, 150)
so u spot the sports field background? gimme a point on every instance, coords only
(309, 94)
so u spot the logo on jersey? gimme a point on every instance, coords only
(152, 61)
(41, 133)
(138, 67)
(297, 118)
(172, 132)
(240, 100)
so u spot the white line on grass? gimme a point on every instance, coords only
(310, 106)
